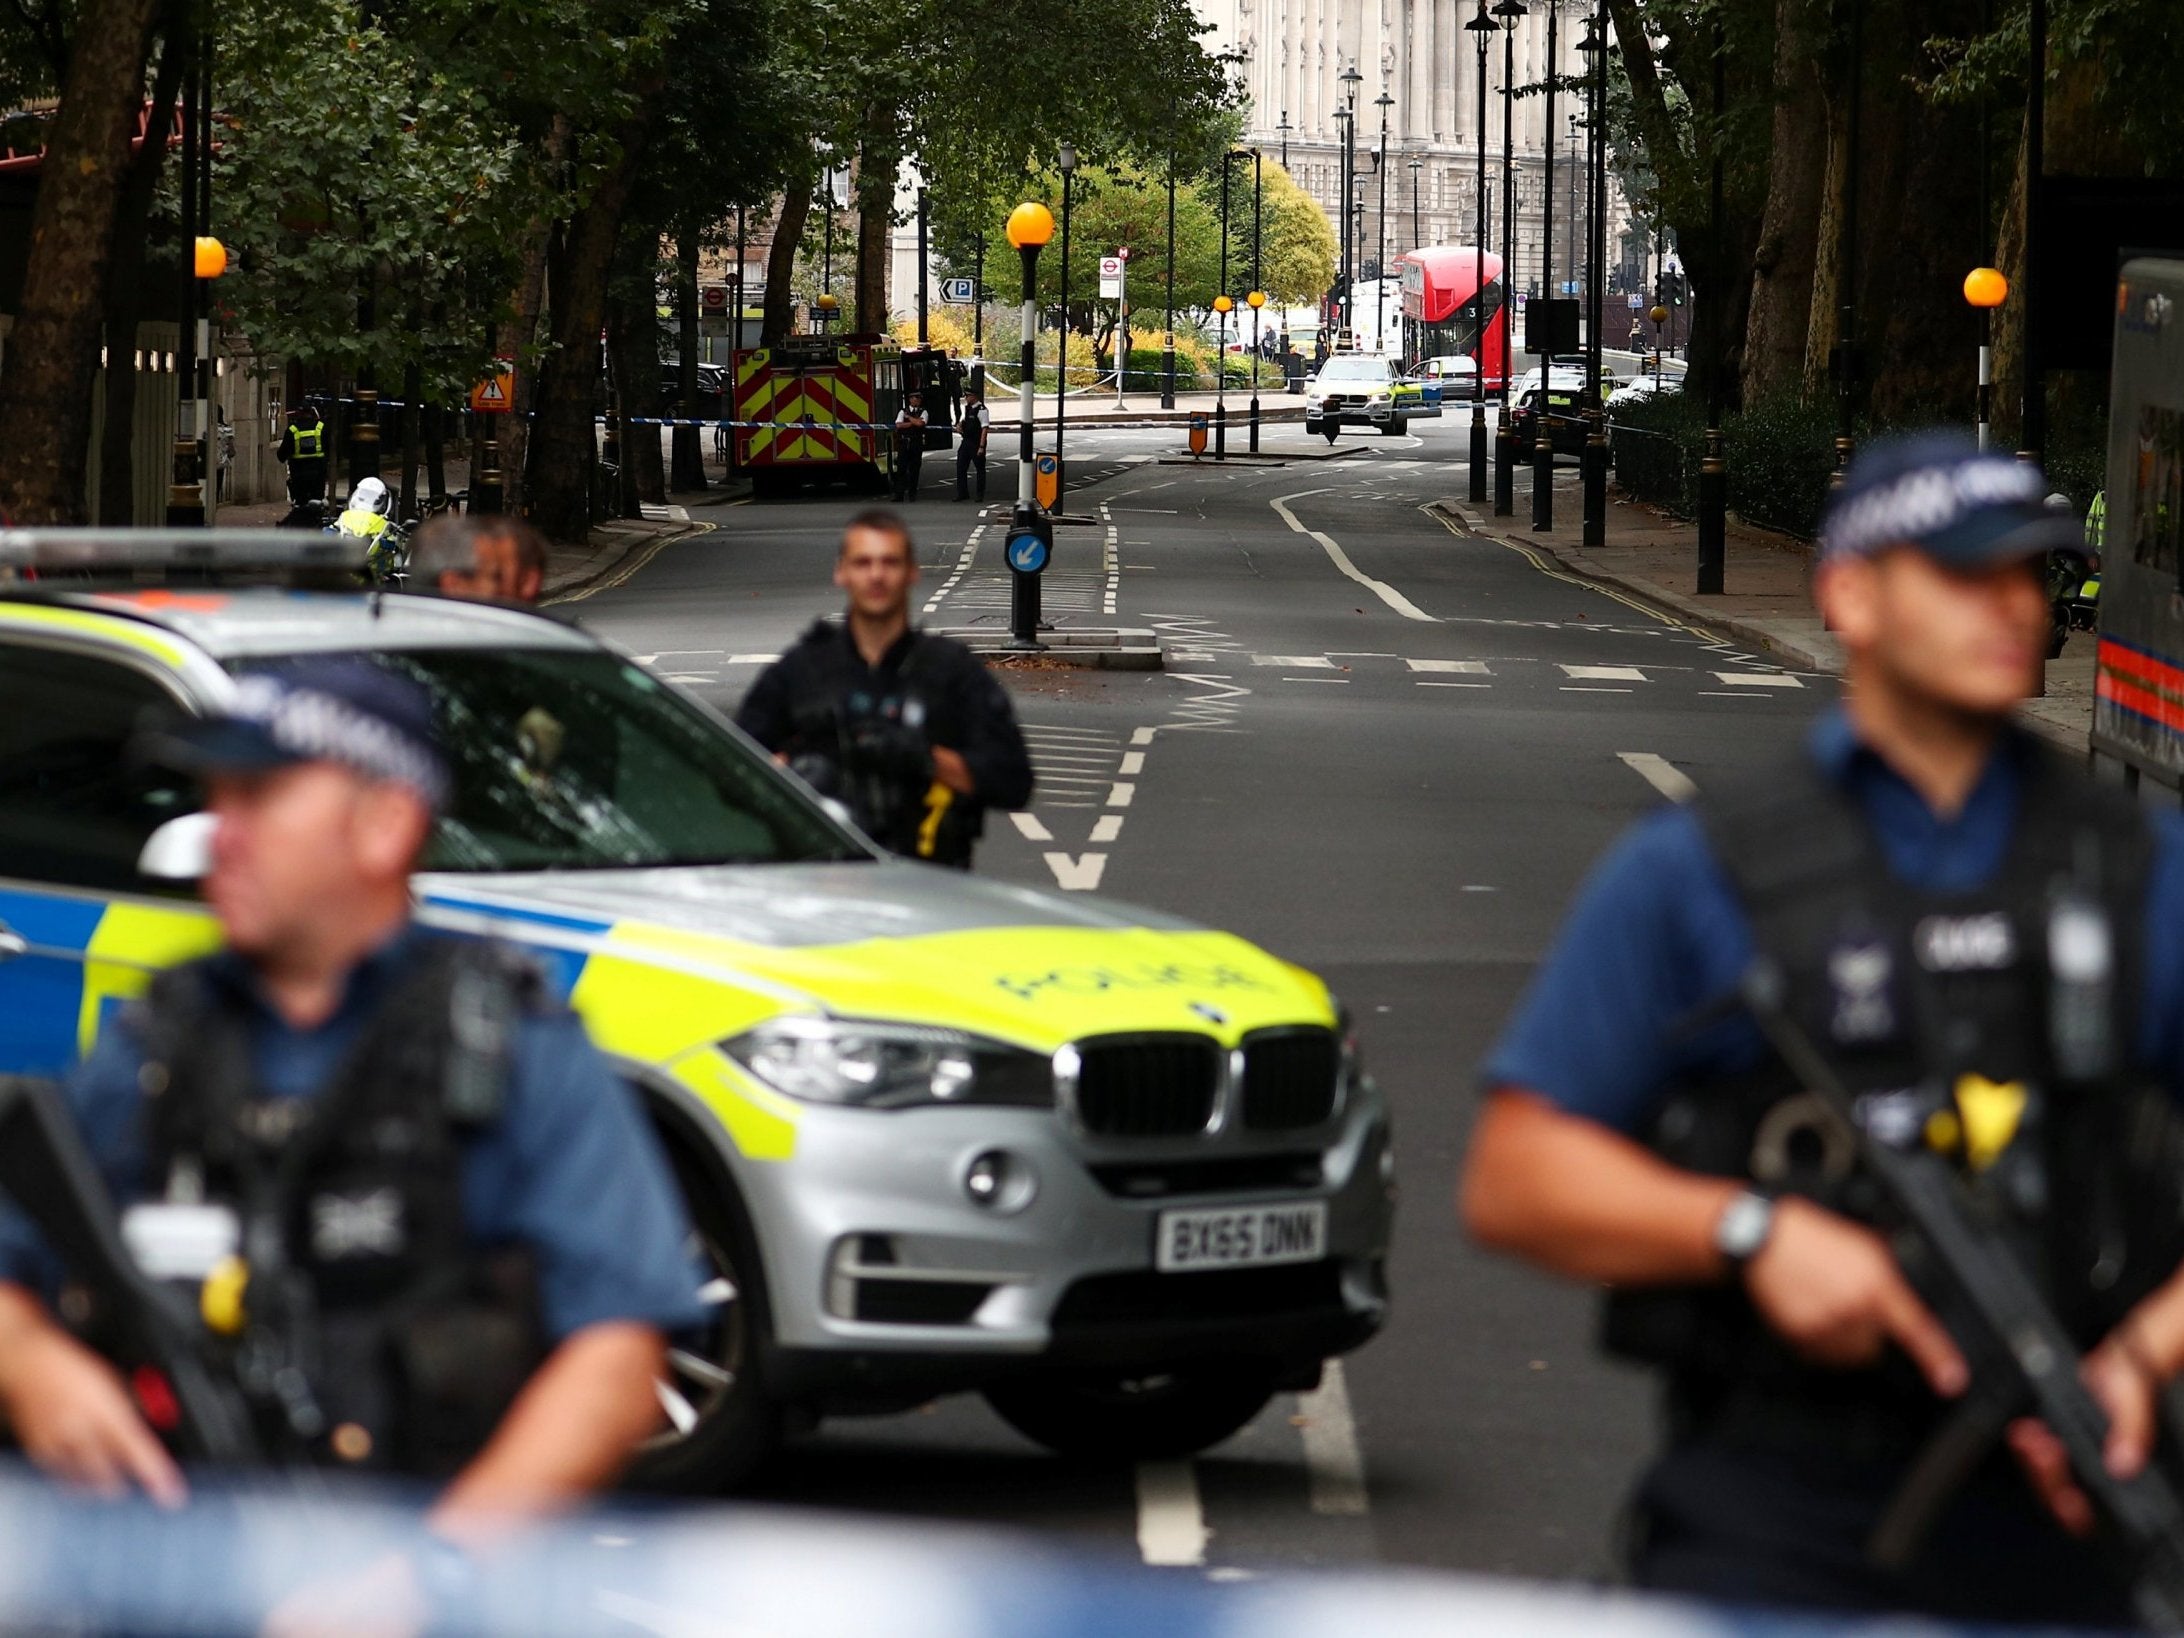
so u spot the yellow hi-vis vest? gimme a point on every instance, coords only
(310, 443)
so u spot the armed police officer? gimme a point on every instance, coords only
(905, 727)
(426, 1227)
(1986, 951)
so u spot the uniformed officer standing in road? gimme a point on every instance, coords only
(431, 1205)
(1907, 872)
(905, 727)
(302, 450)
(910, 426)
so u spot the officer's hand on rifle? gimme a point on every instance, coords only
(71, 1413)
(2124, 1374)
(1832, 1290)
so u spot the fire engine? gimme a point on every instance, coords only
(821, 409)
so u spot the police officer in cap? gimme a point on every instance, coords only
(302, 449)
(1955, 916)
(905, 727)
(427, 1227)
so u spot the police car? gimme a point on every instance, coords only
(1124, 1174)
(1366, 388)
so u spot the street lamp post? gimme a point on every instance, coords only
(1351, 80)
(1594, 462)
(1257, 298)
(1167, 344)
(1543, 448)
(1030, 227)
(1339, 305)
(1285, 128)
(1417, 232)
(1383, 102)
(1222, 305)
(1713, 467)
(1505, 434)
(1061, 361)
(826, 274)
(1480, 26)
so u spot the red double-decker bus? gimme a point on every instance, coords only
(1443, 307)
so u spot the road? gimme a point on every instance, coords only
(1382, 748)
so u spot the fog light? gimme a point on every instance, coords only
(999, 1181)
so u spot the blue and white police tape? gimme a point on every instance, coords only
(238, 1552)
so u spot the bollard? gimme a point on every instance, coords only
(364, 436)
(1713, 515)
(1505, 475)
(1220, 431)
(1543, 470)
(488, 495)
(1477, 491)
(1029, 545)
(1595, 478)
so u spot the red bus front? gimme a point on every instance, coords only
(1442, 306)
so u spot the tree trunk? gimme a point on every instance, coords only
(45, 414)
(436, 452)
(633, 332)
(561, 429)
(530, 298)
(781, 259)
(125, 300)
(1790, 235)
(413, 432)
(689, 447)
(879, 166)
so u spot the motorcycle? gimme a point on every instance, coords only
(2074, 590)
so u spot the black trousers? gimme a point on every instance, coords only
(1730, 1521)
(907, 469)
(968, 454)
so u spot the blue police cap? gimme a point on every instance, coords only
(1938, 493)
(336, 709)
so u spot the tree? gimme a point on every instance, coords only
(45, 415)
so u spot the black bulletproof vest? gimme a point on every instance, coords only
(377, 1334)
(1904, 991)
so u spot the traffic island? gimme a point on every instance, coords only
(1078, 648)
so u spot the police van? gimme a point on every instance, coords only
(1124, 1174)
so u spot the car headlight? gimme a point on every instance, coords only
(1313, 400)
(874, 1065)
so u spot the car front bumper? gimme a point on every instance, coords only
(888, 1281)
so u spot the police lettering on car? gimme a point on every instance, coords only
(425, 1226)
(904, 727)
(1985, 951)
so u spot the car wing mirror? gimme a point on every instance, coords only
(179, 850)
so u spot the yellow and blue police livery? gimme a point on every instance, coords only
(1121, 1173)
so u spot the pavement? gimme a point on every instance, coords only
(1766, 599)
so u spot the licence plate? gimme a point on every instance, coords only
(1240, 1237)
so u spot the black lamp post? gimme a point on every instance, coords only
(1061, 362)
(1285, 128)
(1257, 298)
(1340, 306)
(1167, 340)
(1594, 464)
(1713, 468)
(1479, 28)
(1417, 232)
(1030, 226)
(1543, 443)
(1383, 102)
(1505, 435)
(1351, 80)
(1223, 304)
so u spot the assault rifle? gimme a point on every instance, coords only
(2024, 1362)
(45, 1167)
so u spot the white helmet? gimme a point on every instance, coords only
(370, 495)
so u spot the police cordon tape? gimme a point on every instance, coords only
(219, 1566)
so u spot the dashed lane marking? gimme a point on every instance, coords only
(1028, 825)
(1171, 1525)
(1603, 673)
(1758, 679)
(1109, 828)
(1662, 774)
(1334, 1464)
(1469, 668)
(1341, 559)
(1295, 662)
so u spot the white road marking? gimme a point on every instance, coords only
(1142, 736)
(1030, 828)
(1341, 560)
(1603, 673)
(1133, 763)
(1468, 668)
(1333, 1462)
(1662, 774)
(1587, 688)
(1424, 684)
(1119, 795)
(1295, 662)
(752, 659)
(1077, 875)
(1731, 694)
(1171, 1526)
(1758, 679)
(1109, 828)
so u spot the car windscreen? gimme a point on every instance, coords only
(572, 760)
(1353, 369)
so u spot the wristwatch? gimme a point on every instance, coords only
(1742, 1228)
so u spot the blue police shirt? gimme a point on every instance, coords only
(1657, 935)
(570, 1169)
